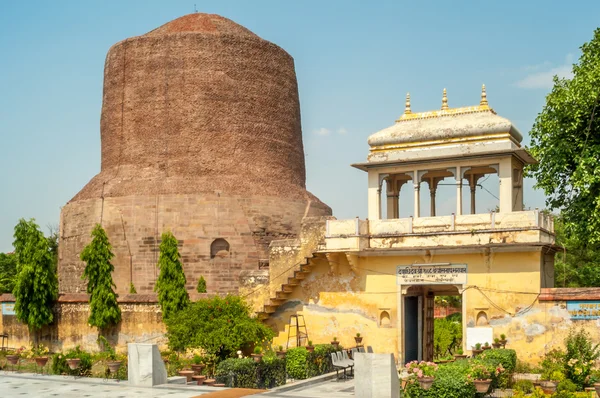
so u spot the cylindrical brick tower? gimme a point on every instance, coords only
(201, 135)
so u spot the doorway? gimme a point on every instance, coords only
(412, 327)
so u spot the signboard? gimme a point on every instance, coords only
(8, 309)
(580, 310)
(432, 274)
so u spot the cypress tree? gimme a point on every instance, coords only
(172, 294)
(104, 309)
(201, 288)
(36, 287)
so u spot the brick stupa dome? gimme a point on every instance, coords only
(200, 135)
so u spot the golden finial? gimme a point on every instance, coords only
(444, 101)
(407, 110)
(483, 101)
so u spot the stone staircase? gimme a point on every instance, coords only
(297, 274)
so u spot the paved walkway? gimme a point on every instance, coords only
(31, 385)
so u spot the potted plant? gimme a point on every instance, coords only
(460, 354)
(257, 355)
(358, 339)
(550, 379)
(197, 364)
(280, 352)
(423, 371)
(482, 376)
(335, 343)
(114, 361)
(496, 344)
(13, 355)
(40, 355)
(477, 349)
(310, 347)
(73, 363)
(503, 340)
(486, 346)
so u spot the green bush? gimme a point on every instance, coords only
(295, 363)
(237, 372)
(580, 356)
(447, 335)
(450, 382)
(319, 361)
(219, 325)
(563, 394)
(271, 371)
(506, 357)
(524, 386)
(60, 366)
(566, 385)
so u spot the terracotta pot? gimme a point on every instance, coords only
(187, 373)
(73, 363)
(199, 379)
(41, 361)
(426, 382)
(114, 366)
(358, 340)
(281, 354)
(548, 386)
(310, 348)
(482, 386)
(476, 352)
(257, 357)
(12, 359)
(503, 342)
(335, 343)
(460, 356)
(197, 368)
(496, 345)
(597, 388)
(486, 348)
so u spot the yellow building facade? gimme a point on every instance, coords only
(379, 276)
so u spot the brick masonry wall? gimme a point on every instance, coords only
(134, 225)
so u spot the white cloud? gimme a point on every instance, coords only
(342, 131)
(542, 76)
(322, 131)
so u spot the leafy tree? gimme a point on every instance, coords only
(8, 272)
(36, 287)
(218, 325)
(172, 294)
(104, 309)
(566, 140)
(201, 288)
(578, 265)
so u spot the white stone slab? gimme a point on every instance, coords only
(145, 366)
(375, 376)
(479, 335)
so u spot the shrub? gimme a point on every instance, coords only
(170, 286)
(524, 386)
(295, 365)
(271, 372)
(318, 362)
(60, 366)
(219, 325)
(237, 372)
(506, 358)
(579, 356)
(566, 385)
(553, 362)
(446, 336)
(201, 288)
(563, 394)
(451, 381)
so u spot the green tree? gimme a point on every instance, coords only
(36, 287)
(566, 140)
(172, 294)
(8, 272)
(578, 264)
(104, 309)
(201, 288)
(218, 325)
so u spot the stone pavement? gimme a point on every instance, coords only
(30, 385)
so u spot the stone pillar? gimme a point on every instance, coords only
(433, 183)
(374, 196)
(517, 189)
(145, 366)
(505, 175)
(459, 179)
(375, 376)
(417, 186)
(392, 197)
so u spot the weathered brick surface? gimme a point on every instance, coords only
(134, 225)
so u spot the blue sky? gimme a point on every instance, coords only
(355, 61)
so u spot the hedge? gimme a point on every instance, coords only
(504, 357)
(301, 364)
(450, 382)
(245, 373)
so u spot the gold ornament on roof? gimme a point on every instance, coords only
(484, 101)
(407, 110)
(444, 101)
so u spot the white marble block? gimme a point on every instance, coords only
(145, 366)
(375, 376)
